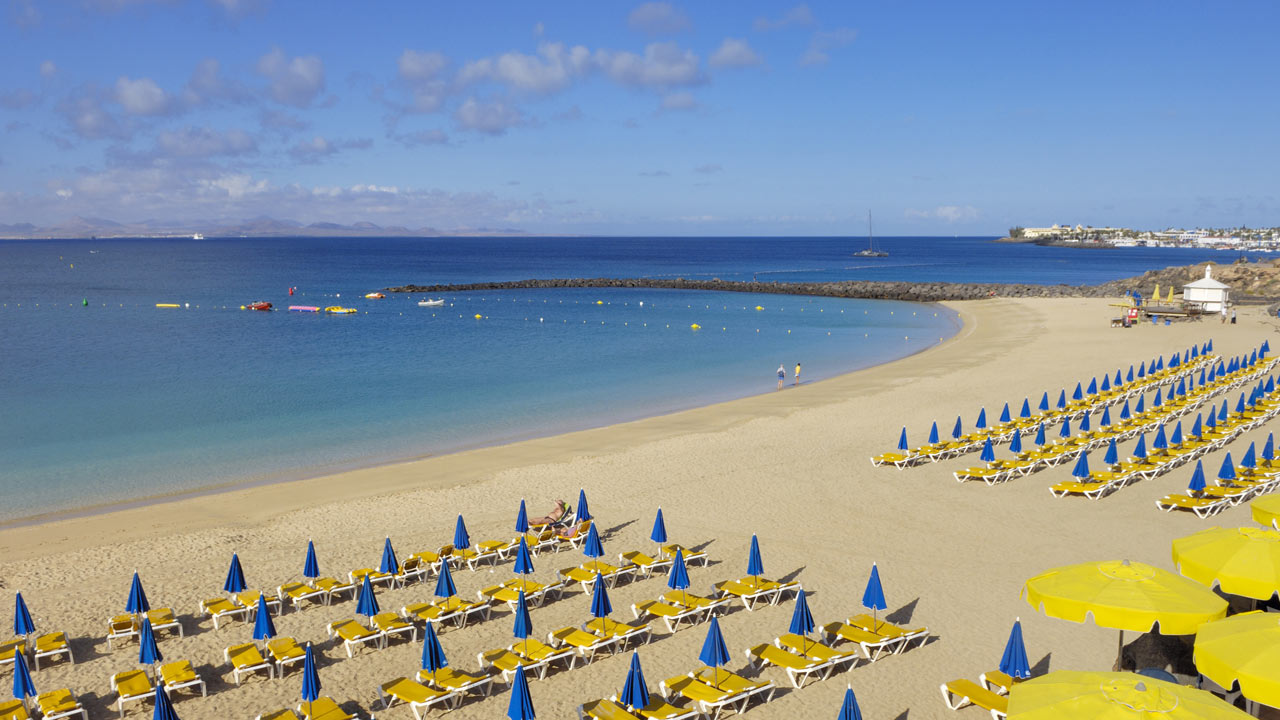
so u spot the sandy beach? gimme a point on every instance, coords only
(791, 467)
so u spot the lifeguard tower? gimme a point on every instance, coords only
(1209, 295)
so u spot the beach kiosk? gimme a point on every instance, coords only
(1206, 293)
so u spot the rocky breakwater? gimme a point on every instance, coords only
(865, 289)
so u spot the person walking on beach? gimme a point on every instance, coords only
(797, 373)
(1224, 314)
(1233, 316)
(782, 375)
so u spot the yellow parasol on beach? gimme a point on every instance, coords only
(1243, 648)
(1170, 298)
(1242, 561)
(1070, 695)
(1124, 595)
(1155, 296)
(1266, 510)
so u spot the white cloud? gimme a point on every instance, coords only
(294, 81)
(85, 112)
(422, 137)
(553, 68)
(798, 15)
(663, 65)
(200, 142)
(658, 18)
(708, 169)
(19, 99)
(734, 53)
(320, 147)
(23, 13)
(823, 42)
(279, 121)
(946, 213)
(425, 75)
(207, 84)
(492, 117)
(679, 101)
(48, 69)
(141, 96)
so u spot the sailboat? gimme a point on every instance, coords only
(871, 250)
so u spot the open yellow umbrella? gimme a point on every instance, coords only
(1243, 648)
(1266, 510)
(1126, 596)
(1242, 561)
(1071, 695)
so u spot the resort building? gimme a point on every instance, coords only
(1206, 293)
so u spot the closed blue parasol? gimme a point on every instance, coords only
(1223, 413)
(1040, 440)
(1084, 423)
(1124, 411)
(1119, 380)
(600, 605)
(581, 513)
(1142, 371)
(958, 430)
(988, 452)
(1113, 454)
(755, 564)
(23, 686)
(235, 576)
(714, 651)
(1250, 459)
(801, 618)
(1106, 384)
(849, 709)
(522, 625)
(148, 651)
(933, 433)
(1025, 412)
(263, 627)
(1078, 393)
(1240, 405)
(1171, 394)
(873, 595)
(521, 705)
(164, 706)
(902, 440)
(1196, 430)
(635, 693)
(1140, 449)
(461, 538)
(310, 679)
(678, 576)
(1175, 438)
(1211, 420)
(1014, 661)
(367, 603)
(444, 582)
(1106, 417)
(1004, 414)
(1269, 448)
(311, 566)
(659, 533)
(1081, 470)
(1160, 442)
(390, 565)
(1228, 470)
(593, 548)
(1129, 376)
(1064, 432)
(1044, 402)
(524, 562)
(22, 622)
(1093, 386)
(1140, 407)
(433, 657)
(1015, 444)
(982, 419)
(137, 603)
(522, 519)
(1197, 478)
(1156, 401)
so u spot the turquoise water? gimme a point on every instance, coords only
(121, 399)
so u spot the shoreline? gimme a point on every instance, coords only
(301, 475)
(300, 480)
(789, 467)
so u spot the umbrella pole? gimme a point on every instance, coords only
(1120, 651)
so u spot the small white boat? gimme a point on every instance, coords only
(431, 303)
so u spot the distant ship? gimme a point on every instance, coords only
(871, 250)
(197, 236)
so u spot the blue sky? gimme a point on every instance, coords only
(648, 118)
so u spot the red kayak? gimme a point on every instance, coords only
(263, 306)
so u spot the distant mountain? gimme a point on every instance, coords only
(262, 226)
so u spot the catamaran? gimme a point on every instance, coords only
(871, 250)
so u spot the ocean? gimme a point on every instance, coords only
(118, 399)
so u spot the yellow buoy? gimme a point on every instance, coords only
(599, 302)
(479, 316)
(759, 307)
(695, 326)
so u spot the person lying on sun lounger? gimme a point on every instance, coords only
(554, 517)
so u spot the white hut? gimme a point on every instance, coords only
(1209, 294)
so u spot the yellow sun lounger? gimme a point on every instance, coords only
(537, 651)
(282, 714)
(323, 708)
(645, 564)
(249, 599)
(889, 630)
(657, 709)
(13, 710)
(222, 609)
(448, 678)
(447, 609)
(333, 588)
(622, 633)
(163, 620)
(797, 667)
(802, 645)
(719, 677)
(297, 593)
(690, 556)
(473, 558)
(180, 674)
(120, 627)
(959, 693)
(413, 568)
(585, 643)
(873, 645)
(52, 645)
(683, 598)
(672, 615)
(285, 651)
(1203, 507)
(420, 698)
(375, 578)
(390, 624)
(506, 662)
(246, 659)
(998, 682)
(353, 635)
(57, 704)
(130, 686)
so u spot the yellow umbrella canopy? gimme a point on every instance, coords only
(1242, 561)
(1243, 648)
(1266, 510)
(1071, 695)
(1124, 595)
